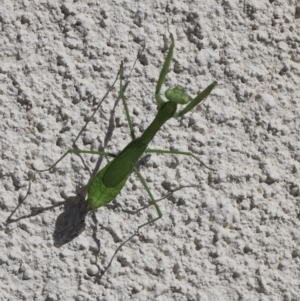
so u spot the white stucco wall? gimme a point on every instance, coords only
(235, 236)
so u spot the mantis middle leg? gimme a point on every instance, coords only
(189, 154)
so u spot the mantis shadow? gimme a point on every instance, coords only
(71, 222)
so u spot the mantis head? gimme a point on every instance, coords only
(177, 95)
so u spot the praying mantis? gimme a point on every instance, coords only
(110, 180)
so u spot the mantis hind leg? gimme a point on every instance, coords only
(37, 210)
(76, 151)
(141, 226)
(152, 200)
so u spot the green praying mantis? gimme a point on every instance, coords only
(110, 180)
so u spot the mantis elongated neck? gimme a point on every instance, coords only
(165, 112)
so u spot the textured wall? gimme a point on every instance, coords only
(236, 235)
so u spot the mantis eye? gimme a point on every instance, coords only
(177, 95)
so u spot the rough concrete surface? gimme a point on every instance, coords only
(236, 235)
